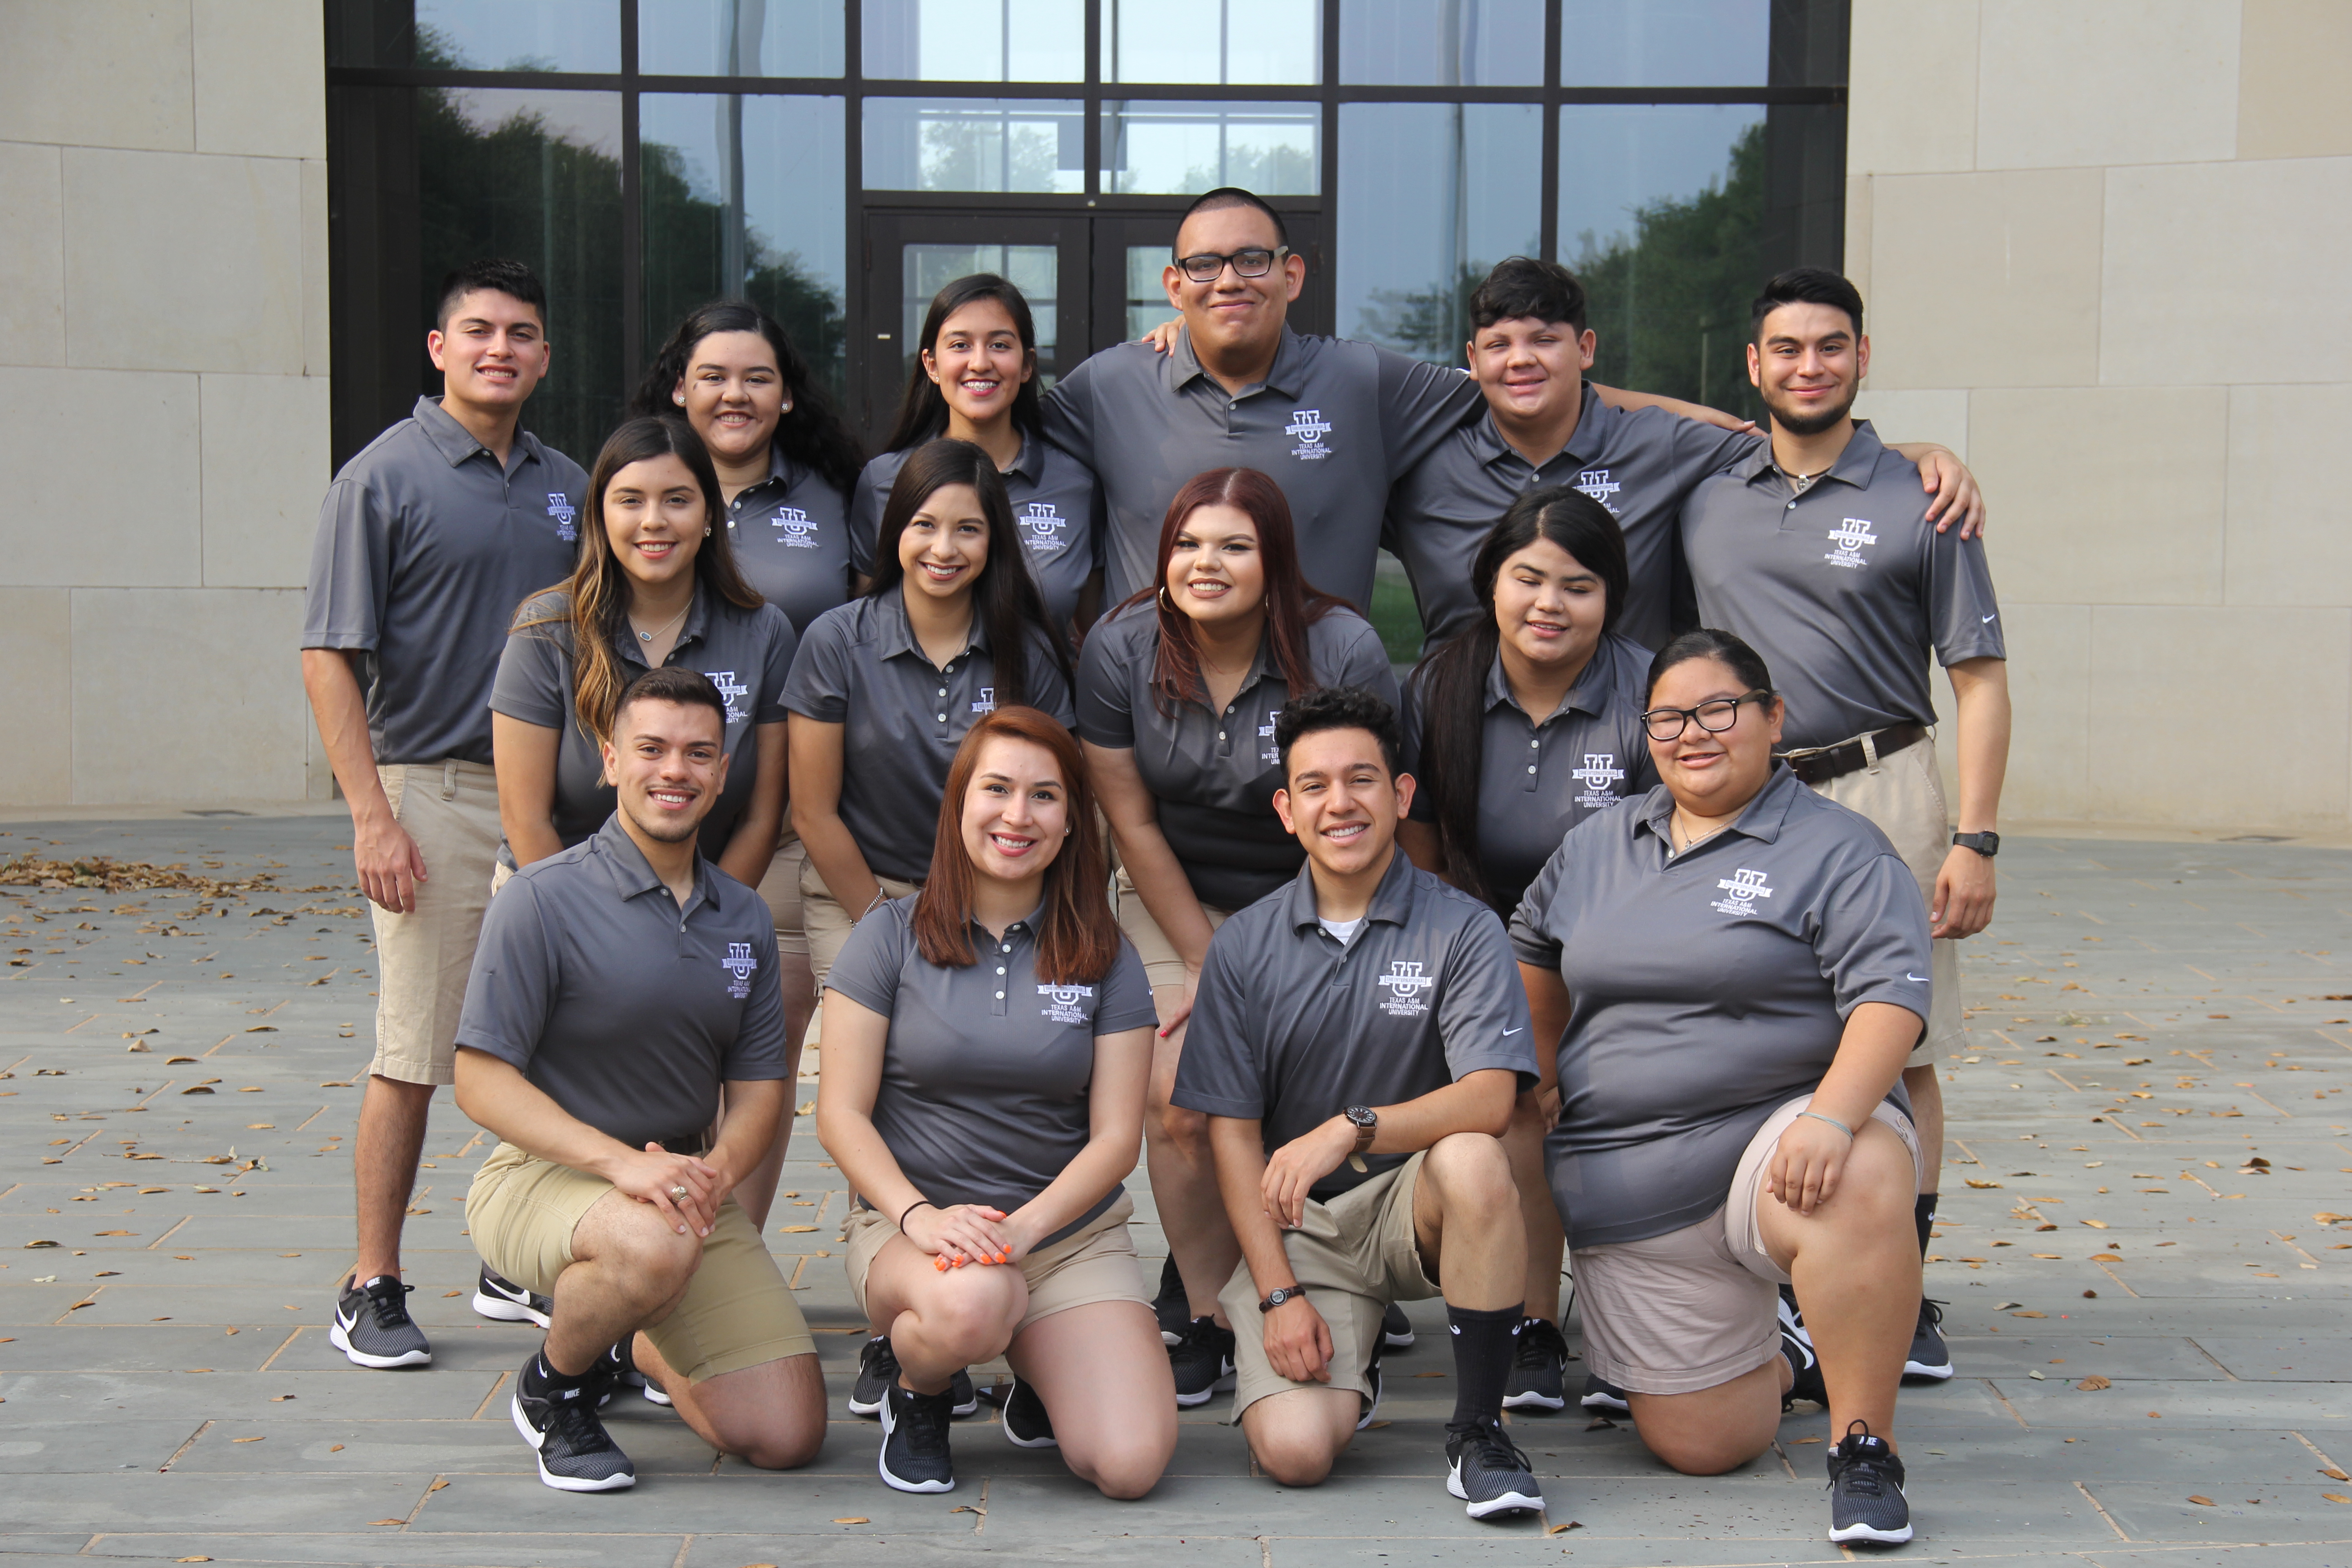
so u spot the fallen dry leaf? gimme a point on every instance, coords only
(2335, 1497)
(1974, 1182)
(2201, 1500)
(334, 1447)
(2096, 1224)
(793, 1229)
(1564, 1529)
(2333, 1474)
(853, 1519)
(2029, 1314)
(2093, 1384)
(375, 1521)
(249, 1439)
(436, 1487)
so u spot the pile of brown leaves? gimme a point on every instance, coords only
(122, 877)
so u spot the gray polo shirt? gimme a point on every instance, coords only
(987, 1068)
(1536, 781)
(1057, 503)
(424, 548)
(1334, 423)
(747, 654)
(1844, 589)
(1641, 464)
(902, 718)
(1291, 1028)
(627, 1010)
(791, 536)
(1707, 989)
(1214, 775)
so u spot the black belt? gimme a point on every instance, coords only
(694, 1144)
(1823, 763)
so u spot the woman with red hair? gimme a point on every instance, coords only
(1178, 692)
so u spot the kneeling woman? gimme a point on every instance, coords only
(986, 1048)
(1740, 968)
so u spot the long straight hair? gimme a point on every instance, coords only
(1077, 940)
(923, 408)
(594, 601)
(1004, 597)
(1450, 681)
(1292, 605)
(810, 433)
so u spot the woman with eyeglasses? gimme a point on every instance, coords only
(1736, 971)
(975, 379)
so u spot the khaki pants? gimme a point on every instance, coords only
(1162, 964)
(781, 890)
(828, 926)
(451, 809)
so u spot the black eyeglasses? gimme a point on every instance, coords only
(1715, 718)
(1208, 267)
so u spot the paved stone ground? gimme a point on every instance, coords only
(2150, 1121)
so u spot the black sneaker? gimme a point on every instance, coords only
(915, 1457)
(621, 1371)
(575, 1453)
(1026, 1424)
(877, 1369)
(1396, 1329)
(1930, 1356)
(1866, 1500)
(1202, 1361)
(1487, 1472)
(1171, 1306)
(502, 1301)
(1600, 1396)
(1373, 1400)
(1797, 1346)
(372, 1326)
(1538, 1368)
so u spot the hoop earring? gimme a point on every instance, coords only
(1166, 603)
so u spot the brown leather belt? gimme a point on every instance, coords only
(1826, 762)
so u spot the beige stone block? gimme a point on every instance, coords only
(2066, 83)
(2227, 273)
(97, 73)
(102, 473)
(2294, 57)
(36, 650)
(1912, 108)
(2290, 518)
(260, 76)
(188, 695)
(2281, 676)
(2103, 495)
(317, 335)
(1985, 279)
(2050, 708)
(1858, 214)
(1941, 416)
(32, 254)
(266, 464)
(183, 262)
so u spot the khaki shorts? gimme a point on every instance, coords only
(828, 926)
(736, 1313)
(782, 888)
(1904, 795)
(1700, 1305)
(1094, 1263)
(422, 958)
(1355, 1254)
(1161, 963)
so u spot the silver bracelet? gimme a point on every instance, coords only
(1831, 1120)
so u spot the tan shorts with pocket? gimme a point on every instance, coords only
(422, 958)
(1162, 963)
(781, 890)
(1700, 1305)
(737, 1311)
(1354, 1255)
(1904, 796)
(1094, 1263)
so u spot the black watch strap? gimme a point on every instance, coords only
(1985, 844)
(1276, 1297)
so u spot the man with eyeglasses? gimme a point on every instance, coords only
(1816, 550)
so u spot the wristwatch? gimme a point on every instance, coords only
(1367, 1123)
(1276, 1297)
(1985, 844)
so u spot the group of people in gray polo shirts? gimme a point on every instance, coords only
(1053, 750)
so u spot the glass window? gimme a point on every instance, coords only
(1035, 270)
(1662, 212)
(477, 35)
(1277, 43)
(961, 40)
(740, 38)
(1664, 43)
(742, 196)
(974, 144)
(1431, 196)
(1442, 43)
(1147, 292)
(1179, 149)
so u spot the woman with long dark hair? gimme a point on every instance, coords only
(986, 1046)
(975, 380)
(885, 687)
(1178, 692)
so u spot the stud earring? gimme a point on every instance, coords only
(705, 533)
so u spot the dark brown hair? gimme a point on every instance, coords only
(923, 408)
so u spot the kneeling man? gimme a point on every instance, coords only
(619, 986)
(1358, 1041)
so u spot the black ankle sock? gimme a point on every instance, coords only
(1923, 1215)
(544, 1373)
(1482, 1347)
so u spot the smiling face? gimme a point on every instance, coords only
(654, 516)
(1549, 606)
(1234, 314)
(1217, 573)
(978, 361)
(733, 395)
(1808, 363)
(1530, 369)
(1016, 811)
(1714, 775)
(945, 544)
(668, 761)
(493, 352)
(1341, 802)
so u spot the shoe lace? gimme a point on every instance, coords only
(1493, 1451)
(1931, 1312)
(1540, 1344)
(1201, 1336)
(388, 1300)
(923, 1420)
(880, 1360)
(1858, 1473)
(573, 1423)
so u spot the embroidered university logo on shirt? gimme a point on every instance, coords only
(1405, 983)
(1596, 483)
(1310, 426)
(1041, 526)
(1741, 889)
(1851, 537)
(730, 689)
(986, 701)
(1062, 1002)
(1599, 772)
(793, 527)
(1268, 752)
(566, 516)
(739, 964)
